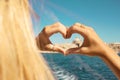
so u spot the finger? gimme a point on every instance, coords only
(59, 49)
(62, 29)
(55, 28)
(52, 47)
(69, 32)
(79, 28)
(80, 25)
(66, 32)
(82, 50)
(76, 29)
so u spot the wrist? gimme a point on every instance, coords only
(108, 52)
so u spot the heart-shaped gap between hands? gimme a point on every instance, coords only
(74, 41)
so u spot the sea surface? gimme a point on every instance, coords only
(78, 67)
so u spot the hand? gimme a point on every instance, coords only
(92, 44)
(43, 41)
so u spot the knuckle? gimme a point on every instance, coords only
(57, 24)
(90, 28)
(86, 31)
(74, 27)
(77, 24)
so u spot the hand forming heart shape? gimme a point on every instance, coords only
(89, 46)
(92, 44)
(43, 41)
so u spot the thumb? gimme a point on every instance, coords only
(81, 50)
(51, 47)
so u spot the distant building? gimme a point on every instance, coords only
(77, 41)
(115, 46)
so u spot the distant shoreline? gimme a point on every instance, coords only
(44, 52)
(48, 52)
(114, 46)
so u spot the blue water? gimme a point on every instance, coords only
(78, 67)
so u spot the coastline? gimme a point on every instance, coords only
(43, 52)
(115, 47)
(53, 52)
(48, 52)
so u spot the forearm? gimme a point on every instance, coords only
(113, 61)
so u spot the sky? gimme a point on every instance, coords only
(102, 15)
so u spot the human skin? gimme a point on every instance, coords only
(43, 41)
(92, 44)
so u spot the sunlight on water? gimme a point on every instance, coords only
(62, 74)
(85, 66)
(78, 67)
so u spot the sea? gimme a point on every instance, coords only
(78, 67)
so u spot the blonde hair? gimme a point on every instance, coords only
(19, 58)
